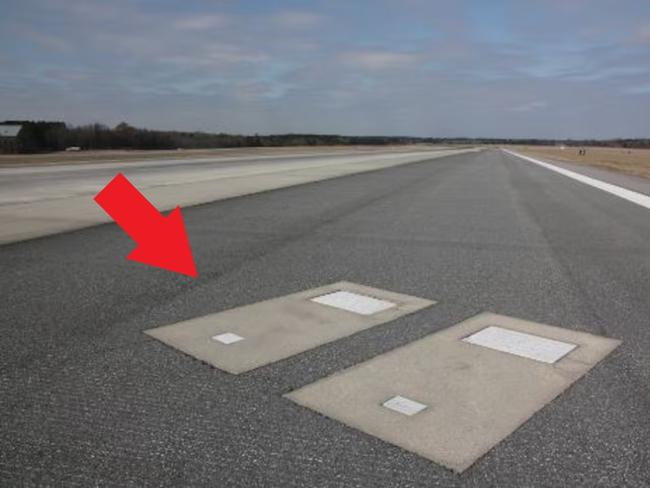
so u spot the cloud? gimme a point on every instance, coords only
(215, 54)
(378, 60)
(200, 22)
(642, 35)
(90, 10)
(48, 41)
(296, 19)
(530, 106)
(637, 89)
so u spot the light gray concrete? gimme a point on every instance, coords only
(278, 328)
(475, 396)
(38, 201)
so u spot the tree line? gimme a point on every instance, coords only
(43, 136)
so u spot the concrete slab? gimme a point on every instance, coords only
(228, 338)
(403, 405)
(524, 345)
(63, 204)
(278, 328)
(353, 302)
(474, 396)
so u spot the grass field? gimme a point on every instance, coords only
(631, 161)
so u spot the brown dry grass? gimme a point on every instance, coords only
(128, 155)
(631, 161)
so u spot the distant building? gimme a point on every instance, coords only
(9, 137)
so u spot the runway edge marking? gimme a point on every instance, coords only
(629, 195)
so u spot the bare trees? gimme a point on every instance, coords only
(41, 136)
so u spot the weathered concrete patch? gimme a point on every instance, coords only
(474, 396)
(281, 327)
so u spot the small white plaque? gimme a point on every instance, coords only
(353, 302)
(228, 338)
(404, 405)
(521, 344)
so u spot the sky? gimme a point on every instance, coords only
(478, 68)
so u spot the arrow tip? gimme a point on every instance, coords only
(167, 247)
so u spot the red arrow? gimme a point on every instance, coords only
(162, 241)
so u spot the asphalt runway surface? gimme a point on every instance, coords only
(87, 399)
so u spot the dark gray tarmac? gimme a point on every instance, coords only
(86, 399)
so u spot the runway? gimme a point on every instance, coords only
(87, 398)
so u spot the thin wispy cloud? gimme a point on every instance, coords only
(530, 106)
(296, 19)
(200, 22)
(637, 89)
(642, 35)
(378, 59)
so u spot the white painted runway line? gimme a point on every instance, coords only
(521, 344)
(624, 193)
(353, 302)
